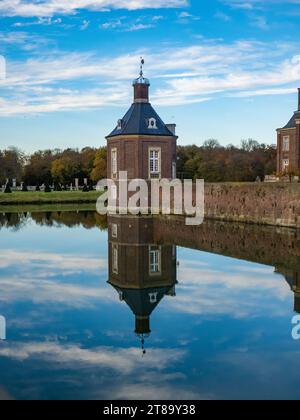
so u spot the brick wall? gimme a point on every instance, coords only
(271, 204)
(293, 154)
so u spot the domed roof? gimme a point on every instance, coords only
(141, 80)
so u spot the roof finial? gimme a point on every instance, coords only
(142, 63)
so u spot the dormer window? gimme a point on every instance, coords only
(120, 123)
(152, 124)
(153, 297)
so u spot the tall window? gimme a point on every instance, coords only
(114, 163)
(114, 230)
(115, 259)
(155, 259)
(285, 164)
(154, 163)
(286, 144)
(174, 170)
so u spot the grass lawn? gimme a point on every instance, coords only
(63, 197)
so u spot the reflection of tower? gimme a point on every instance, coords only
(293, 279)
(141, 271)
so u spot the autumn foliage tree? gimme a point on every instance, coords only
(211, 162)
(100, 165)
(215, 163)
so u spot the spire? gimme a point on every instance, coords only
(142, 63)
(141, 86)
(142, 330)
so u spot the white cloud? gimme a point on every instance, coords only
(139, 27)
(123, 361)
(192, 74)
(265, 92)
(207, 291)
(22, 40)
(185, 17)
(53, 7)
(41, 21)
(36, 273)
(85, 24)
(112, 24)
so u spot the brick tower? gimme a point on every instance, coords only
(142, 144)
(288, 144)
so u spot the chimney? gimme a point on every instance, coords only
(172, 127)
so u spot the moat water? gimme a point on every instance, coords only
(80, 300)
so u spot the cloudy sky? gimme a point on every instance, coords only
(227, 69)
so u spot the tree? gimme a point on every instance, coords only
(249, 145)
(12, 163)
(38, 167)
(100, 165)
(7, 189)
(64, 170)
(211, 144)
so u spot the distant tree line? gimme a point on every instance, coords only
(211, 161)
(53, 166)
(215, 163)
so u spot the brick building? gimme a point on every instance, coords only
(288, 144)
(142, 144)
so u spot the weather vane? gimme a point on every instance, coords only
(142, 63)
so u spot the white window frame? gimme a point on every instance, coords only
(114, 162)
(174, 170)
(286, 143)
(154, 260)
(115, 259)
(114, 231)
(155, 171)
(285, 164)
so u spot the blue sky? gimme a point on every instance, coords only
(226, 69)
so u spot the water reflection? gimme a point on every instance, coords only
(86, 219)
(141, 270)
(145, 248)
(222, 316)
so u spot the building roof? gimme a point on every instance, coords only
(139, 299)
(141, 80)
(136, 121)
(292, 122)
